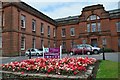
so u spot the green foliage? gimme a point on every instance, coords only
(108, 50)
(64, 51)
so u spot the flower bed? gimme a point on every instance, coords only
(65, 66)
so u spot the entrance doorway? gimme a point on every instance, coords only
(94, 42)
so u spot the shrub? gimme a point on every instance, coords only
(108, 50)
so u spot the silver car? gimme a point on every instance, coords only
(95, 50)
(34, 52)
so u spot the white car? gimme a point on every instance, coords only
(35, 52)
(95, 50)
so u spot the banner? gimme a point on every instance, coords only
(52, 53)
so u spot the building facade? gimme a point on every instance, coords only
(94, 26)
(24, 27)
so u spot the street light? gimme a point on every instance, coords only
(29, 54)
(103, 52)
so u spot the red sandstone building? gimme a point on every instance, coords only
(24, 27)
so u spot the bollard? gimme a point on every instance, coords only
(29, 54)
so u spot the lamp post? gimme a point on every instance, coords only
(29, 54)
(103, 53)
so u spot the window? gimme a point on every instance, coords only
(54, 32)
(22, 43)
(63, 32)
(48, 44)
(63, 45)
(99, 28)
(84, 41)
(54, 44)
(118, 26)
(72, 32)
(33, 43)
(93, 17)
(104, 42)
(42, 43)
(0, 30)
(88, 27)
(33, 25)
(93, 25)
(3, 20)
(23, 21)
(48, 30)
(72, 44)
(0, 21)
(98, 17)
(42, 28)
(0, 41)
(118, 42)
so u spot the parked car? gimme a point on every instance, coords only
(84, 49)
(34, 52)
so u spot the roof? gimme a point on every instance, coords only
(75, 19)
(68, 20)
(61, 21)
(31, 10)
(114, 13)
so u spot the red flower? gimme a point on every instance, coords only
(75, 72)
(74, 65)
(22, 73)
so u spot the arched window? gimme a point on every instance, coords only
(93, 24)
(93, 17)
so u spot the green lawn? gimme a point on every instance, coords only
(108, 69)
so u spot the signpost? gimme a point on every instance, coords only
(52, 53)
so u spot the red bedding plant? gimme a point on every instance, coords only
(64, 66)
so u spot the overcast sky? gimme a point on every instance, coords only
(64, 8)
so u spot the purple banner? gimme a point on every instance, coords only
(52, 53)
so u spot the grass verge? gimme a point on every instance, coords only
(108, 69)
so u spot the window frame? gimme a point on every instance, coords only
(33, 25)
(23, 21)
(63, 45)
(42, 43)
(88, 28)
(119, 42)
(93, 17)
(0, 41)
(94, 28)
(104, 41)
(48, 43)
(49, 30)
(33, 43)
(54, 32)
(118, 26)
(42, 28)
(63, 32)
(72, 30)
(98, 26)
(72, 44)
(23, 43)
